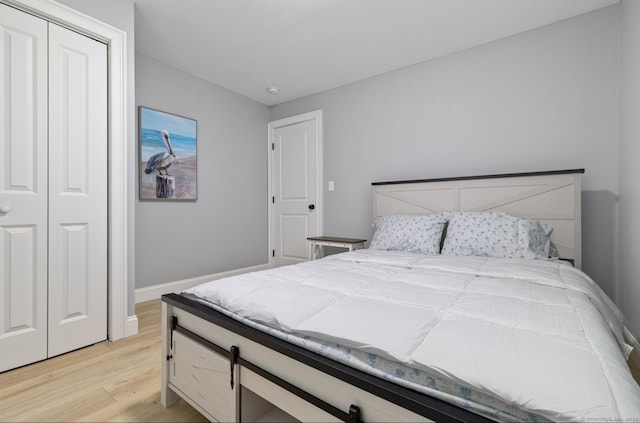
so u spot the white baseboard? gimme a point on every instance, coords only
(131, 326)
(156, 291)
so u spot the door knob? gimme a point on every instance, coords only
(5, 209)
(312, 206)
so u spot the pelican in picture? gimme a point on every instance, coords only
(161, 161)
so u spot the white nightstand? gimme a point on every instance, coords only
(317, 242)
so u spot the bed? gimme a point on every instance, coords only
(445, 326)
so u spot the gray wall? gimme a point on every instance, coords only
(226, 228)
(629, 263)
(120, 14)
(542, 100)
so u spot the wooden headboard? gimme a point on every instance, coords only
(553, 197)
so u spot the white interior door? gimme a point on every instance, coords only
(23, 188)
(77, 190)
(295, 174)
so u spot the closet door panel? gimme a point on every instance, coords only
(23, 188)
(77, 191)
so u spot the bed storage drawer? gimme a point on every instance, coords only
(203, 378)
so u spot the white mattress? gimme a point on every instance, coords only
(529, 339)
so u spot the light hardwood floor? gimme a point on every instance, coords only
(110, 381)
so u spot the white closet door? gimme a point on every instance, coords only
(77, 190)
(23, 188)
(294, 187)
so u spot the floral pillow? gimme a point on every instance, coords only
(496, 234)
(410, 233)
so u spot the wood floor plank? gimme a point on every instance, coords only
(110, 381)
(72, 408)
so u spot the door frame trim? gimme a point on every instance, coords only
(119, 324)
(315, 115)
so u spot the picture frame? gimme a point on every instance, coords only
(168, 159)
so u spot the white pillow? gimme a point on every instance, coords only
(496, 234)
(410, 233)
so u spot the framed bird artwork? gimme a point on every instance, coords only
(168, 156)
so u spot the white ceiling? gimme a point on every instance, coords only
(308, 46)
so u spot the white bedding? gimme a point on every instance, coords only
(538, 336)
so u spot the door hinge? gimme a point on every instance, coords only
(273, 146)
(273, 200)
(273, 253)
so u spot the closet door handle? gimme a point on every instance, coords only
(4, 209)
(312, 206)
